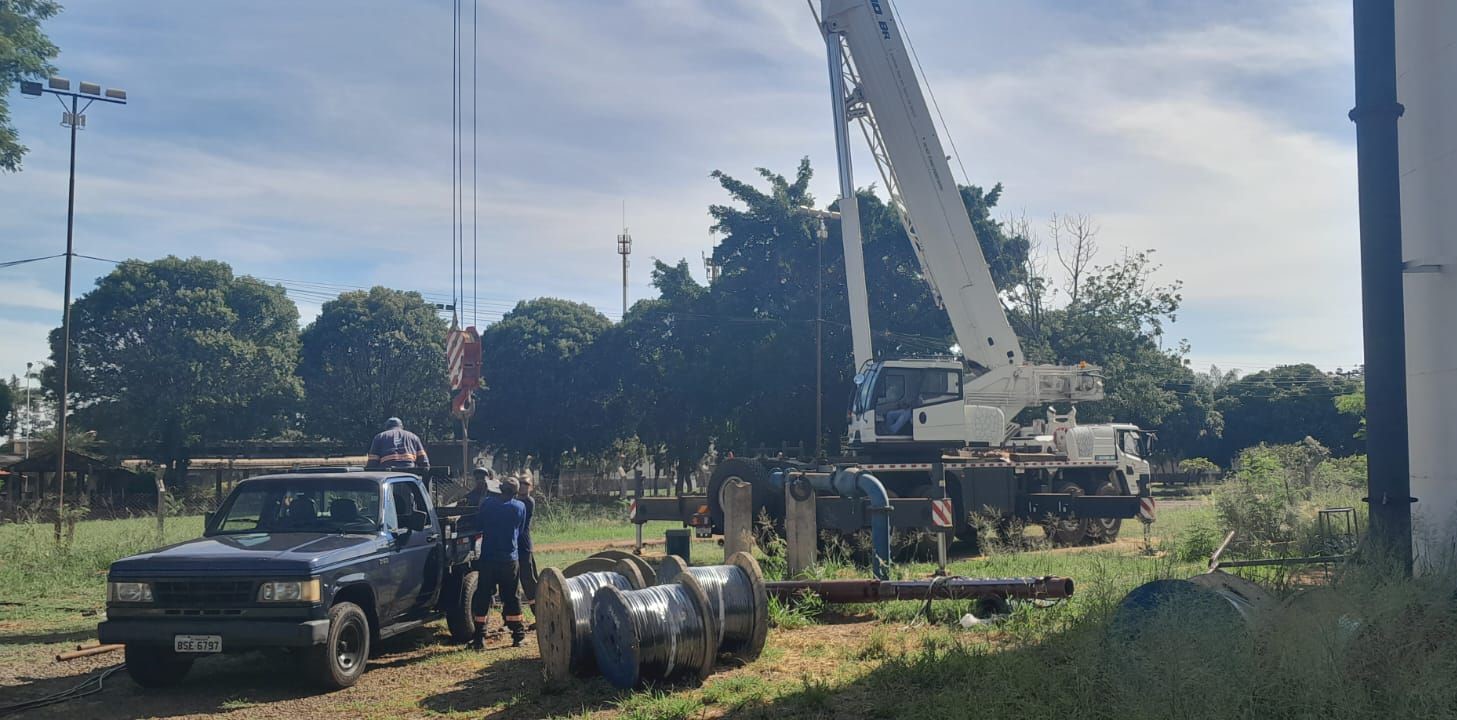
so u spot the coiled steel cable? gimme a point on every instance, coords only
(662, 632)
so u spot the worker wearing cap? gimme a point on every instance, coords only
(397, 449)
(502, 517)
(527, 562)
(485, 485)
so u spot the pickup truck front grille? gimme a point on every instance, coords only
(203, 593)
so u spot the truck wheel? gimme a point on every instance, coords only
(458, 615)
(1068, 531)
(1105, 530)
(155, 667)
(749, 471)
(339, 662)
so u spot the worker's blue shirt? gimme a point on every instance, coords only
(502, 520)
(525, 542)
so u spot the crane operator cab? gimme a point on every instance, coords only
(917, 403)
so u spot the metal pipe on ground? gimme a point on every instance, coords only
(949, 588)
(81, 652)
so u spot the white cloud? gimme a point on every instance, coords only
(303, 154)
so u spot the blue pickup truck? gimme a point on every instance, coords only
(321, 563)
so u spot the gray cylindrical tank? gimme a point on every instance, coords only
(1426, 64)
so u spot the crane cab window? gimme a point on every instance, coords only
(1130, 441)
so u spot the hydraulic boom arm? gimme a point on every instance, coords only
(873, 80)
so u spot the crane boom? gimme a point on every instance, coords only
(873, 81)
(887, 97)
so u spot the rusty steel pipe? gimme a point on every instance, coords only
(953, 588)
(81, 652)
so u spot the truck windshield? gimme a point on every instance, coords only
(313, 505)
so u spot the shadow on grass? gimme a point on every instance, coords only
(1360, 649)
(513, 689)
(215, 684)
(48, 637)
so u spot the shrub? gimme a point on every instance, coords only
(1258, 504)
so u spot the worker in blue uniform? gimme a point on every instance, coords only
(502, 517)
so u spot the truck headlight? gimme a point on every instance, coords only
(289, 591)
(130, 592)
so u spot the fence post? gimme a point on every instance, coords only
(637, 498)
(161, 505)
(737, 498)
(801, 531)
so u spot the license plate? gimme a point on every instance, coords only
(197, 643)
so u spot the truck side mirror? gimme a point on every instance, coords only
(414, 521)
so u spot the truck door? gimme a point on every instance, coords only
(414, 553)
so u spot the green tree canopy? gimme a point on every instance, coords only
(539, 397)
(170, 354)
(370, 356)
(1287, 403)
(25, 54)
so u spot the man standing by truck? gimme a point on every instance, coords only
(397, 449)
(502, 517)
(527, 563)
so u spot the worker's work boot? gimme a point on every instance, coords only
(478, 641)
(518, 633)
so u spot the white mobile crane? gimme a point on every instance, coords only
(931, 430)
(910, 406)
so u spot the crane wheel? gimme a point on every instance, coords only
(1105, 530)
(1068, 531)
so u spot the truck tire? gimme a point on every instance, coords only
(749, 471)
(458, 615)
(1105, 530)
(153, 666)
(1067, 532)
(340, 661)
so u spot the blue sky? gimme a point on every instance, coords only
(311, 142)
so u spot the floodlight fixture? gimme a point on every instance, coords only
(90, 88)
(30, 87)
(116, 94)
(57, 83)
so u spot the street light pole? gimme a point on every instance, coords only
(28, 425)
(74, 119)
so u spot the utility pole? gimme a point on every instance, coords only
(821, 234)
(624, 248)
(74, 119)
(1388, 475)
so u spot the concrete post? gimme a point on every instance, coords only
(737, 498)
(801, 528)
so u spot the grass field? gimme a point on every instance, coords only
(873, 661)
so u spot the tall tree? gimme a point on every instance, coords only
(538, 398)
(1287, 403)
(170, 354)
(8, 412)
(25, 54)
(372, 355)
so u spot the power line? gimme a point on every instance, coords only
(454, 137)
(13, 263)
(474, 161)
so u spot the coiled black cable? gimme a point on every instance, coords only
(564, 620)
(662, 632)
(736, 598)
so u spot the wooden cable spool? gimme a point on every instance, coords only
(649, 573)
(738, 603)
(564, 615)
(664, 632)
